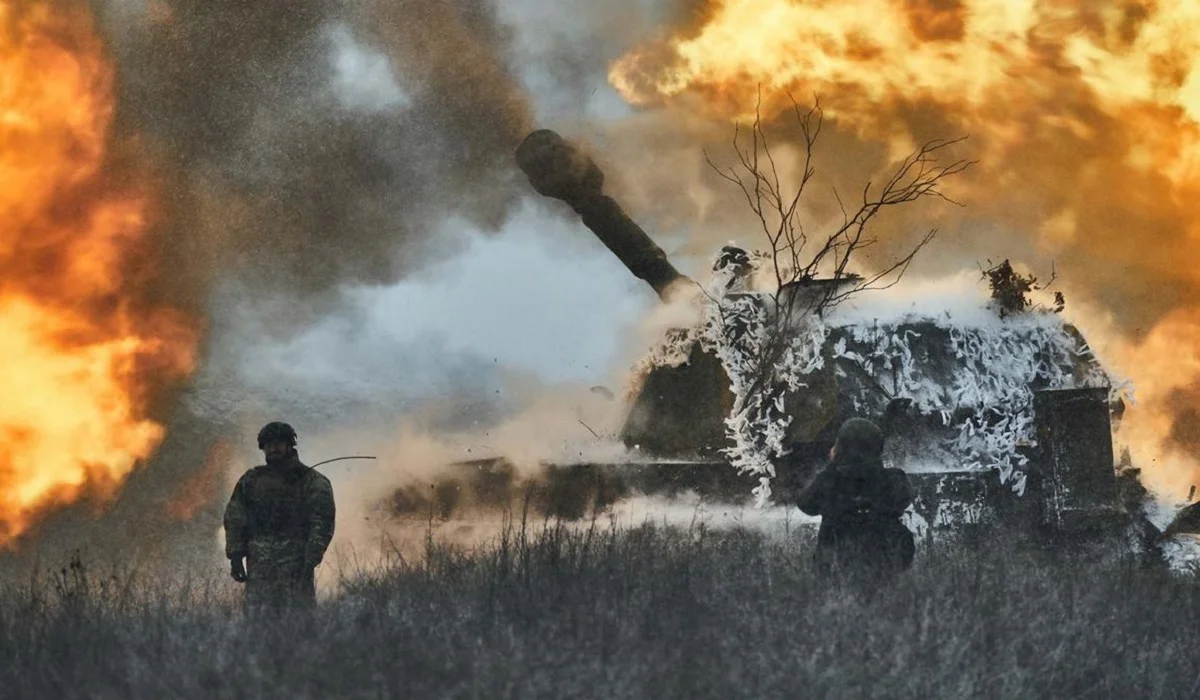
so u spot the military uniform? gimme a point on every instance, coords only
(860, 504)
(281, 518)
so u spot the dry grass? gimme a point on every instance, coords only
(624, 613)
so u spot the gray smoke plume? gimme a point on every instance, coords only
(273, 181)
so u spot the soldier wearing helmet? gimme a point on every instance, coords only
(279, 521)
(860, 504)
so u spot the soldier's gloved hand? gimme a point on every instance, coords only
(237, 568)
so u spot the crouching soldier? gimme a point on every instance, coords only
(278, 523)
(860, 504)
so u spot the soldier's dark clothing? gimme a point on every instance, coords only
(281, 519)
(860, 507)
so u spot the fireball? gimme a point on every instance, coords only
(83, 352)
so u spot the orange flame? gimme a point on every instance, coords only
(80, 352)
(1085, 116)
(962, 53)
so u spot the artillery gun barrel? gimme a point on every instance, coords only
(557, 169)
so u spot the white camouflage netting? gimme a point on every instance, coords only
(995, 361)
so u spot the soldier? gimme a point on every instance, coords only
(280, 519)
(860, 504)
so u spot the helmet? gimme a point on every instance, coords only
(276, 432)
(859, 440)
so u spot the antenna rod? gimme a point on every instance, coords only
(338, 459)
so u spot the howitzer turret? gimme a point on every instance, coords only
(557, 169)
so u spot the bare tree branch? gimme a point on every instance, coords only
(798, 259)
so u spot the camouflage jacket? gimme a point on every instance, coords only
(287, 510)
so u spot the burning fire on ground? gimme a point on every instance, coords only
(82, 352)
(1085, 117)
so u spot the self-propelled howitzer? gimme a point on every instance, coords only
(992, 417)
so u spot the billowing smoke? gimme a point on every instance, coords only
(283, 183)
(1185, 430)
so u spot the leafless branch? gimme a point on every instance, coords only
(796, 257)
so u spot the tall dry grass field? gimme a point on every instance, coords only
(645, 612)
